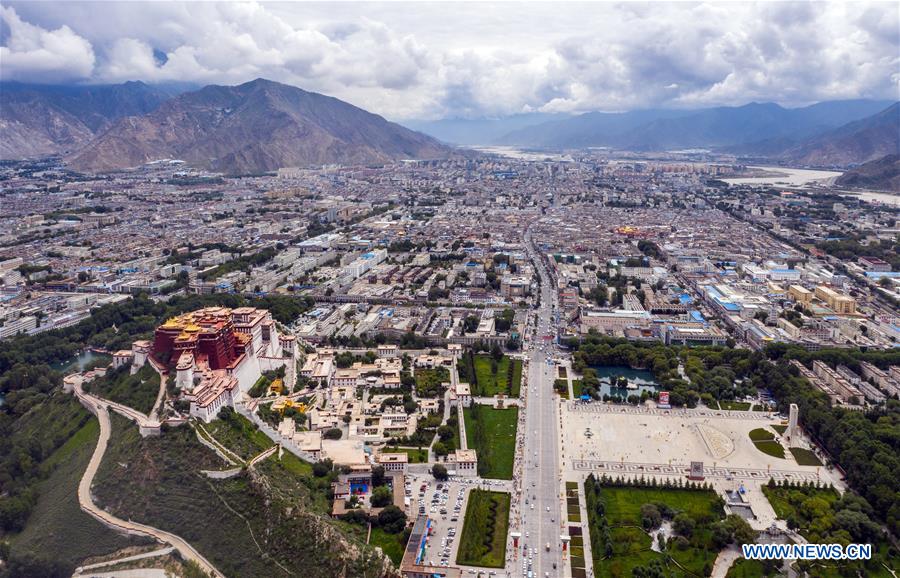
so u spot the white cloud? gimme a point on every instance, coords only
(433, 59)
(32, 53)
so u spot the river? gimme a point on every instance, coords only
(80, 361)
(787, 176)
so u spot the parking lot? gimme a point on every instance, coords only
(446, 506)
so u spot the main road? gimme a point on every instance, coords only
(541, 487)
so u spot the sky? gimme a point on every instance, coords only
(431, 60)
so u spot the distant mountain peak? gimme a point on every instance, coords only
(254, 127)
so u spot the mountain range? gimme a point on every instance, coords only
(254, 127)
(836, 133)
(39, 120)
(262, 125)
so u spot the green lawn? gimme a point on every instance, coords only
(506, 379)
(239, 434)
(492, 433)
(576, 388)
(138, 391)
(389, 543)
(744, 568)
(780, 428)
(483, 539)
(805, 457)
(631, 545)
(416, 456)
(516, 385)
(772, 448)
(761, 434)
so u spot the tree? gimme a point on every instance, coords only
(445, 432)
(439, 472)
(381, 496)
(683, 525)
(322, 468)
(333, 434)
(378, 478)
(651, 519)
(392, 519)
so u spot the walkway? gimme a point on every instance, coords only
(598, 407)
(161, 552)
(650, 470)
(99, 408)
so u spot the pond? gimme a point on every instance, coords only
(80, 361)
(643, 379)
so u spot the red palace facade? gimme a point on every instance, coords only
(209, 334)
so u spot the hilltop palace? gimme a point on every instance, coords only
(218, 354)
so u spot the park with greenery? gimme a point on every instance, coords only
(158, 481)
(492, 434)
(490, 374)
(429, 380)
(624, 517)
(483, 538)
(863, 444)
(823, 516)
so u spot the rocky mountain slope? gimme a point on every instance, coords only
(39, 120)
(255, 127)
(881, 175)
(857, 142)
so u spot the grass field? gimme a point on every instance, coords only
(744, 568)
(483, 539)
(805, 457)
(507, 378)
(492, 433)
(57, 528)
(759, 435)
(576, 388)
(631, 545)
(138, 391)
(156, 480)
(780, 429)
(771, 448)
(238, 434)
(389, 543)
(416, 456)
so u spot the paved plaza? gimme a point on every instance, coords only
(595, 407)
(634, 441)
